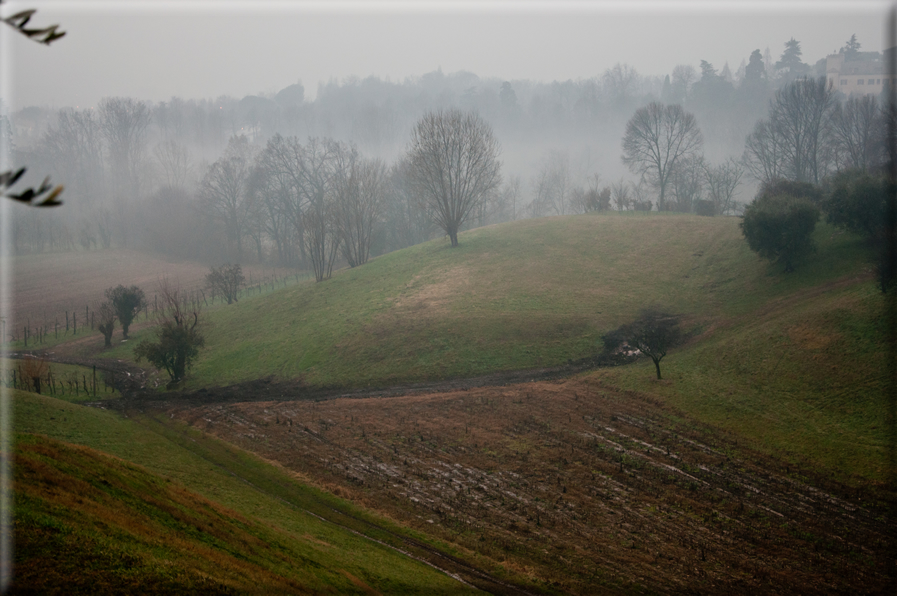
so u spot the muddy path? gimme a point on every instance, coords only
(133, 383)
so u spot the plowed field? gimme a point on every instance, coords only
(585, 487)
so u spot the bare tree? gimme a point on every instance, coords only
(592, 198)
(721, 183)
(653, 333)
(174, 160)
(656, 137)
(178, 338)
(620, 83)
(105, 316)
(454, 165)
(620, 195)
(800, 113)
(360, 191)
(75, 149)
(687, 183)
(307, 175)
(764, 152)
(124, 123)
(553, 185)
(226, 281)
(407, 223)
(684, 76)
(858, 130)
(224, 191)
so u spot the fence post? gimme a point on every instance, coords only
(94, 380)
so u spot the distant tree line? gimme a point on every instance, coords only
(309, 184)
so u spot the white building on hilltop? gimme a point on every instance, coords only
(859, 77)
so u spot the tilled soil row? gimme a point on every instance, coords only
(579, 485)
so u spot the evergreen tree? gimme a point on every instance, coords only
(791, 63)
(851, 49)
(755, 71)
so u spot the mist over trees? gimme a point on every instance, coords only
(313, 184)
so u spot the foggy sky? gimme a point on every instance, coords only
(156, 50)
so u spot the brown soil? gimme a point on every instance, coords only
(579, 485)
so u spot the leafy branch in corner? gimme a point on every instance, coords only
(45, 36)
(46, 193)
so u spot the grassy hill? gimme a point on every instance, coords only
(165, 509)
(519, 295)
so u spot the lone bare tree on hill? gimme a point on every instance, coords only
(454, 165)
(653, 333)
(656, 138)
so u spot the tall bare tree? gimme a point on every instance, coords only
(721, 183)
(174, 160)
(360, 192)
(858, 132)
(553, 185)
(657, 137)
(764, 152)
(124, 123)
(407, 223)
(687, 183)
(225, 194)
(454, 165)
(75, 149)
(800, 113)
(307, 174)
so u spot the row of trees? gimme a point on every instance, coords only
(126, 158)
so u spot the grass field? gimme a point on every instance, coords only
(520, 295)
(163, 507)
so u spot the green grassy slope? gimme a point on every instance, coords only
(519, 295)
(802, 378)
(180, 513)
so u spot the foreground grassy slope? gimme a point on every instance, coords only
(524, 294)
(179, 513)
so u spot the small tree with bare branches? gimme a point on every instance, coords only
(178, 337)
(653, 333)
(226, 281)
(106, 322)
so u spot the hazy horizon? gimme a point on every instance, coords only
(202, 50)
